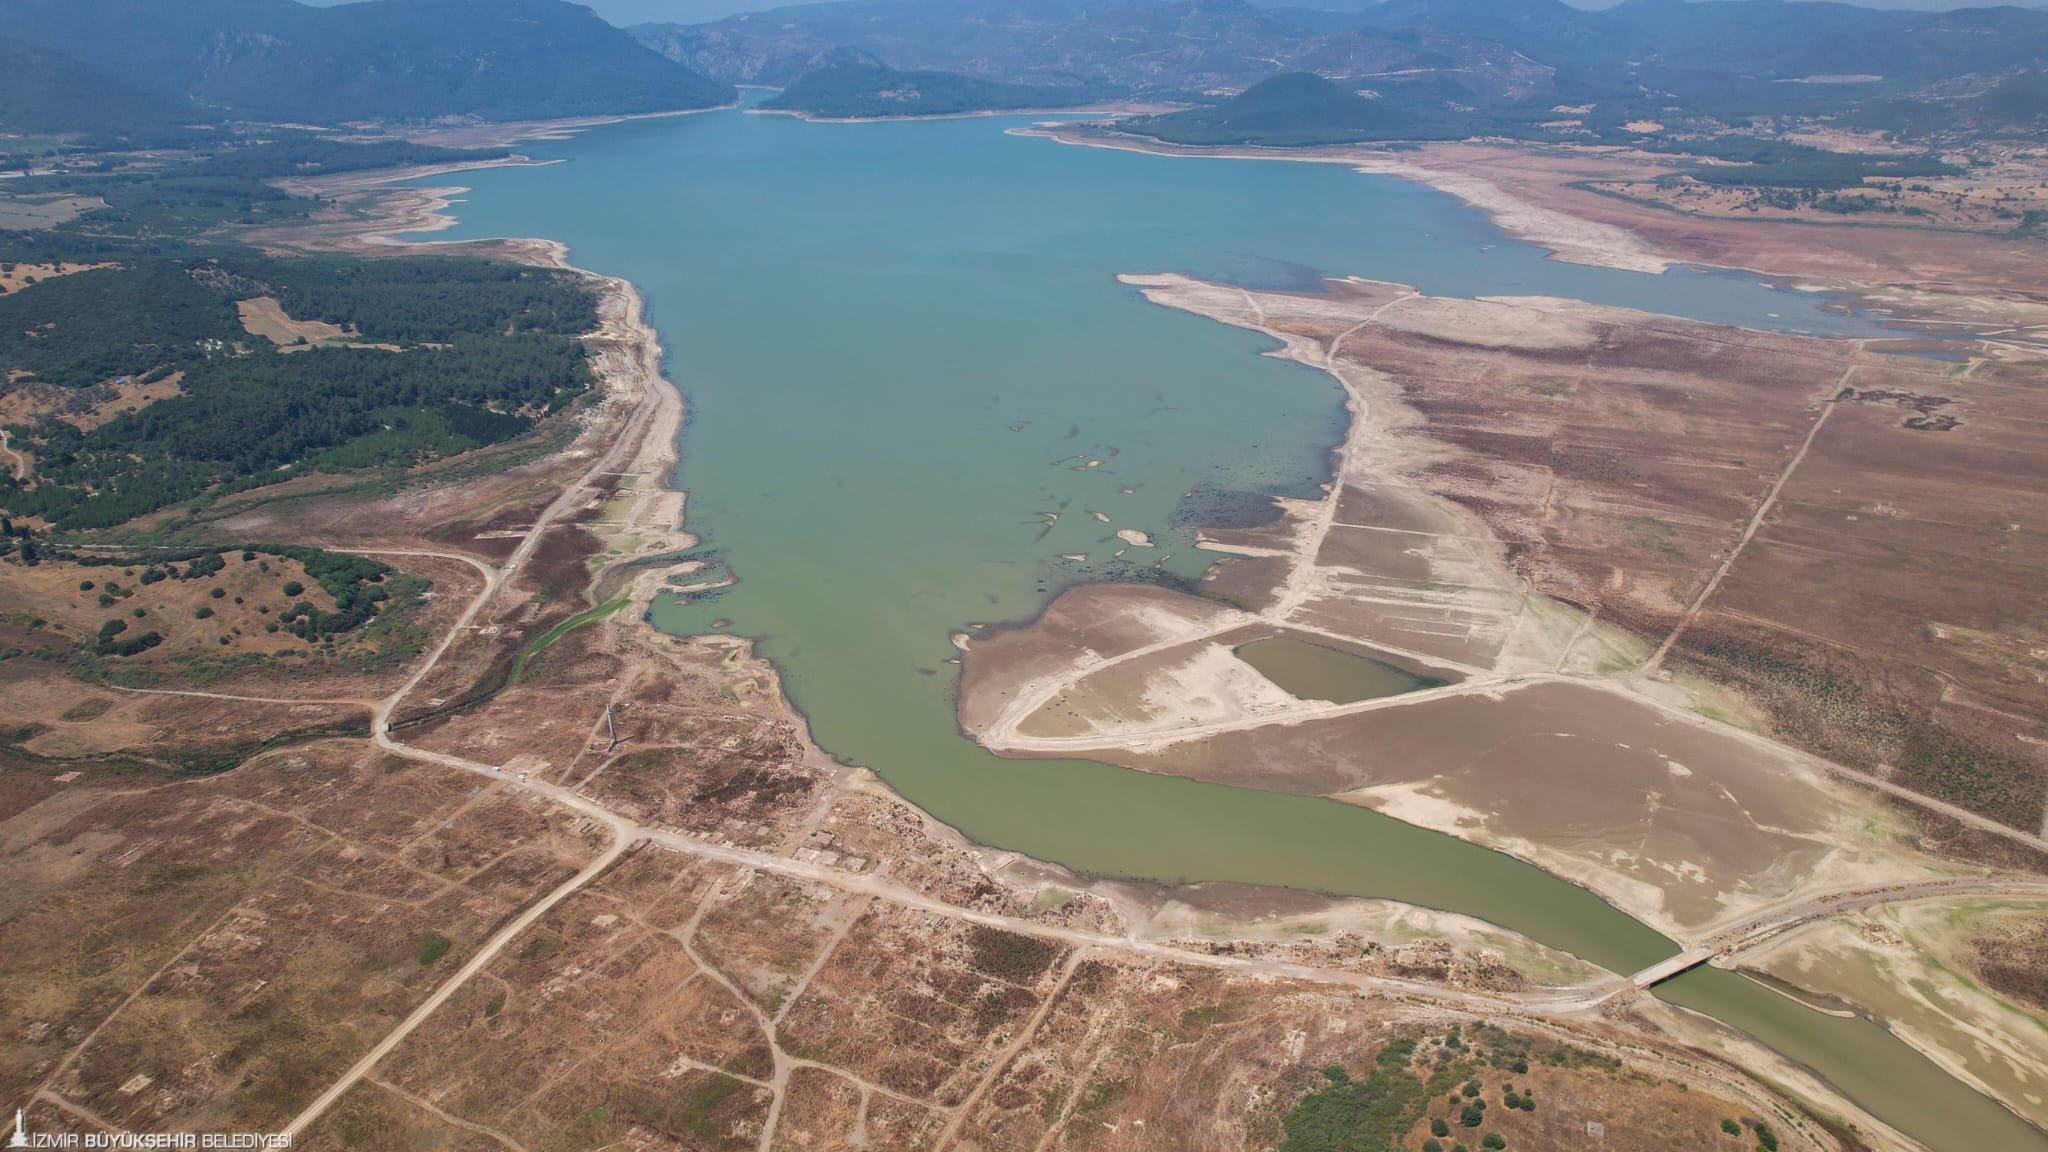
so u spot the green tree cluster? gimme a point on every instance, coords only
(488, 351)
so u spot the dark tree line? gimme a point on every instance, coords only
(487, 351)
(84, 328)
(425, 299)
(256, 417)
(304, 154)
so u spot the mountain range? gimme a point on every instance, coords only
(1437, 59)
(848, 84)
(124, 65)
(1533, 68)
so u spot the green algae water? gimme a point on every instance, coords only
(1868, 1064)
(912, 376)
(1320, 672)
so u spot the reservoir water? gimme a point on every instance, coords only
(901, 344)
(1319, 672)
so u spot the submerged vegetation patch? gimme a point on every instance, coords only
(1216, 508)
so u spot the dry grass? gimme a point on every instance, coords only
(85, 408)
(15, 277)
(1990, 202)
(264, 316)
(272, 920)
(252, 594)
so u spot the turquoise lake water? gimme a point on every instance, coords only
(898, 341)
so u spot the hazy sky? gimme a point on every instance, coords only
(624, 12)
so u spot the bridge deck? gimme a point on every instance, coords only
(1685, 961)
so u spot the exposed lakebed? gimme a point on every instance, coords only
(917, 392)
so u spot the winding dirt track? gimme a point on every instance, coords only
(20, 466)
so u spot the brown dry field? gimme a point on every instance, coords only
(73, 725)
(1886, 612)
(264, 316)
(1990, 207)
(625, 1019)
(1619, 483)
(1137, 1056)
(1176, 685)
(252, 594)
(1889, 612)
(1555, 178)
(2010, 956)
(14, 277)
(1614, 457)
(1681, 825)
(203, 953)
(749, 766)
(83, 408)
(361, 665)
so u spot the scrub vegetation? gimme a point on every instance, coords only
(1479, 1089)
(135, 617)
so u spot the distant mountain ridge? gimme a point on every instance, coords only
(1138, 46)
(1292, 109)
(376, 60)
(847, 84)
(1642, 58)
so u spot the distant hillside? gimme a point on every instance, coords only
(849, 84)
(42, 91)
(2020, 101)
(1502, 65)
(379, 60)
(1781, 40)
(1299, 108)
(1146, 46)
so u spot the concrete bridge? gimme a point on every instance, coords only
(1664, 970)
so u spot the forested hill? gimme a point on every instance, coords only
(850, 85)
(1297, 109)
(47, 92)
(408, 359)
(279, 60)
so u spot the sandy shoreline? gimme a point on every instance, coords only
(1567, 238)
(984, 114)
(513, 131)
